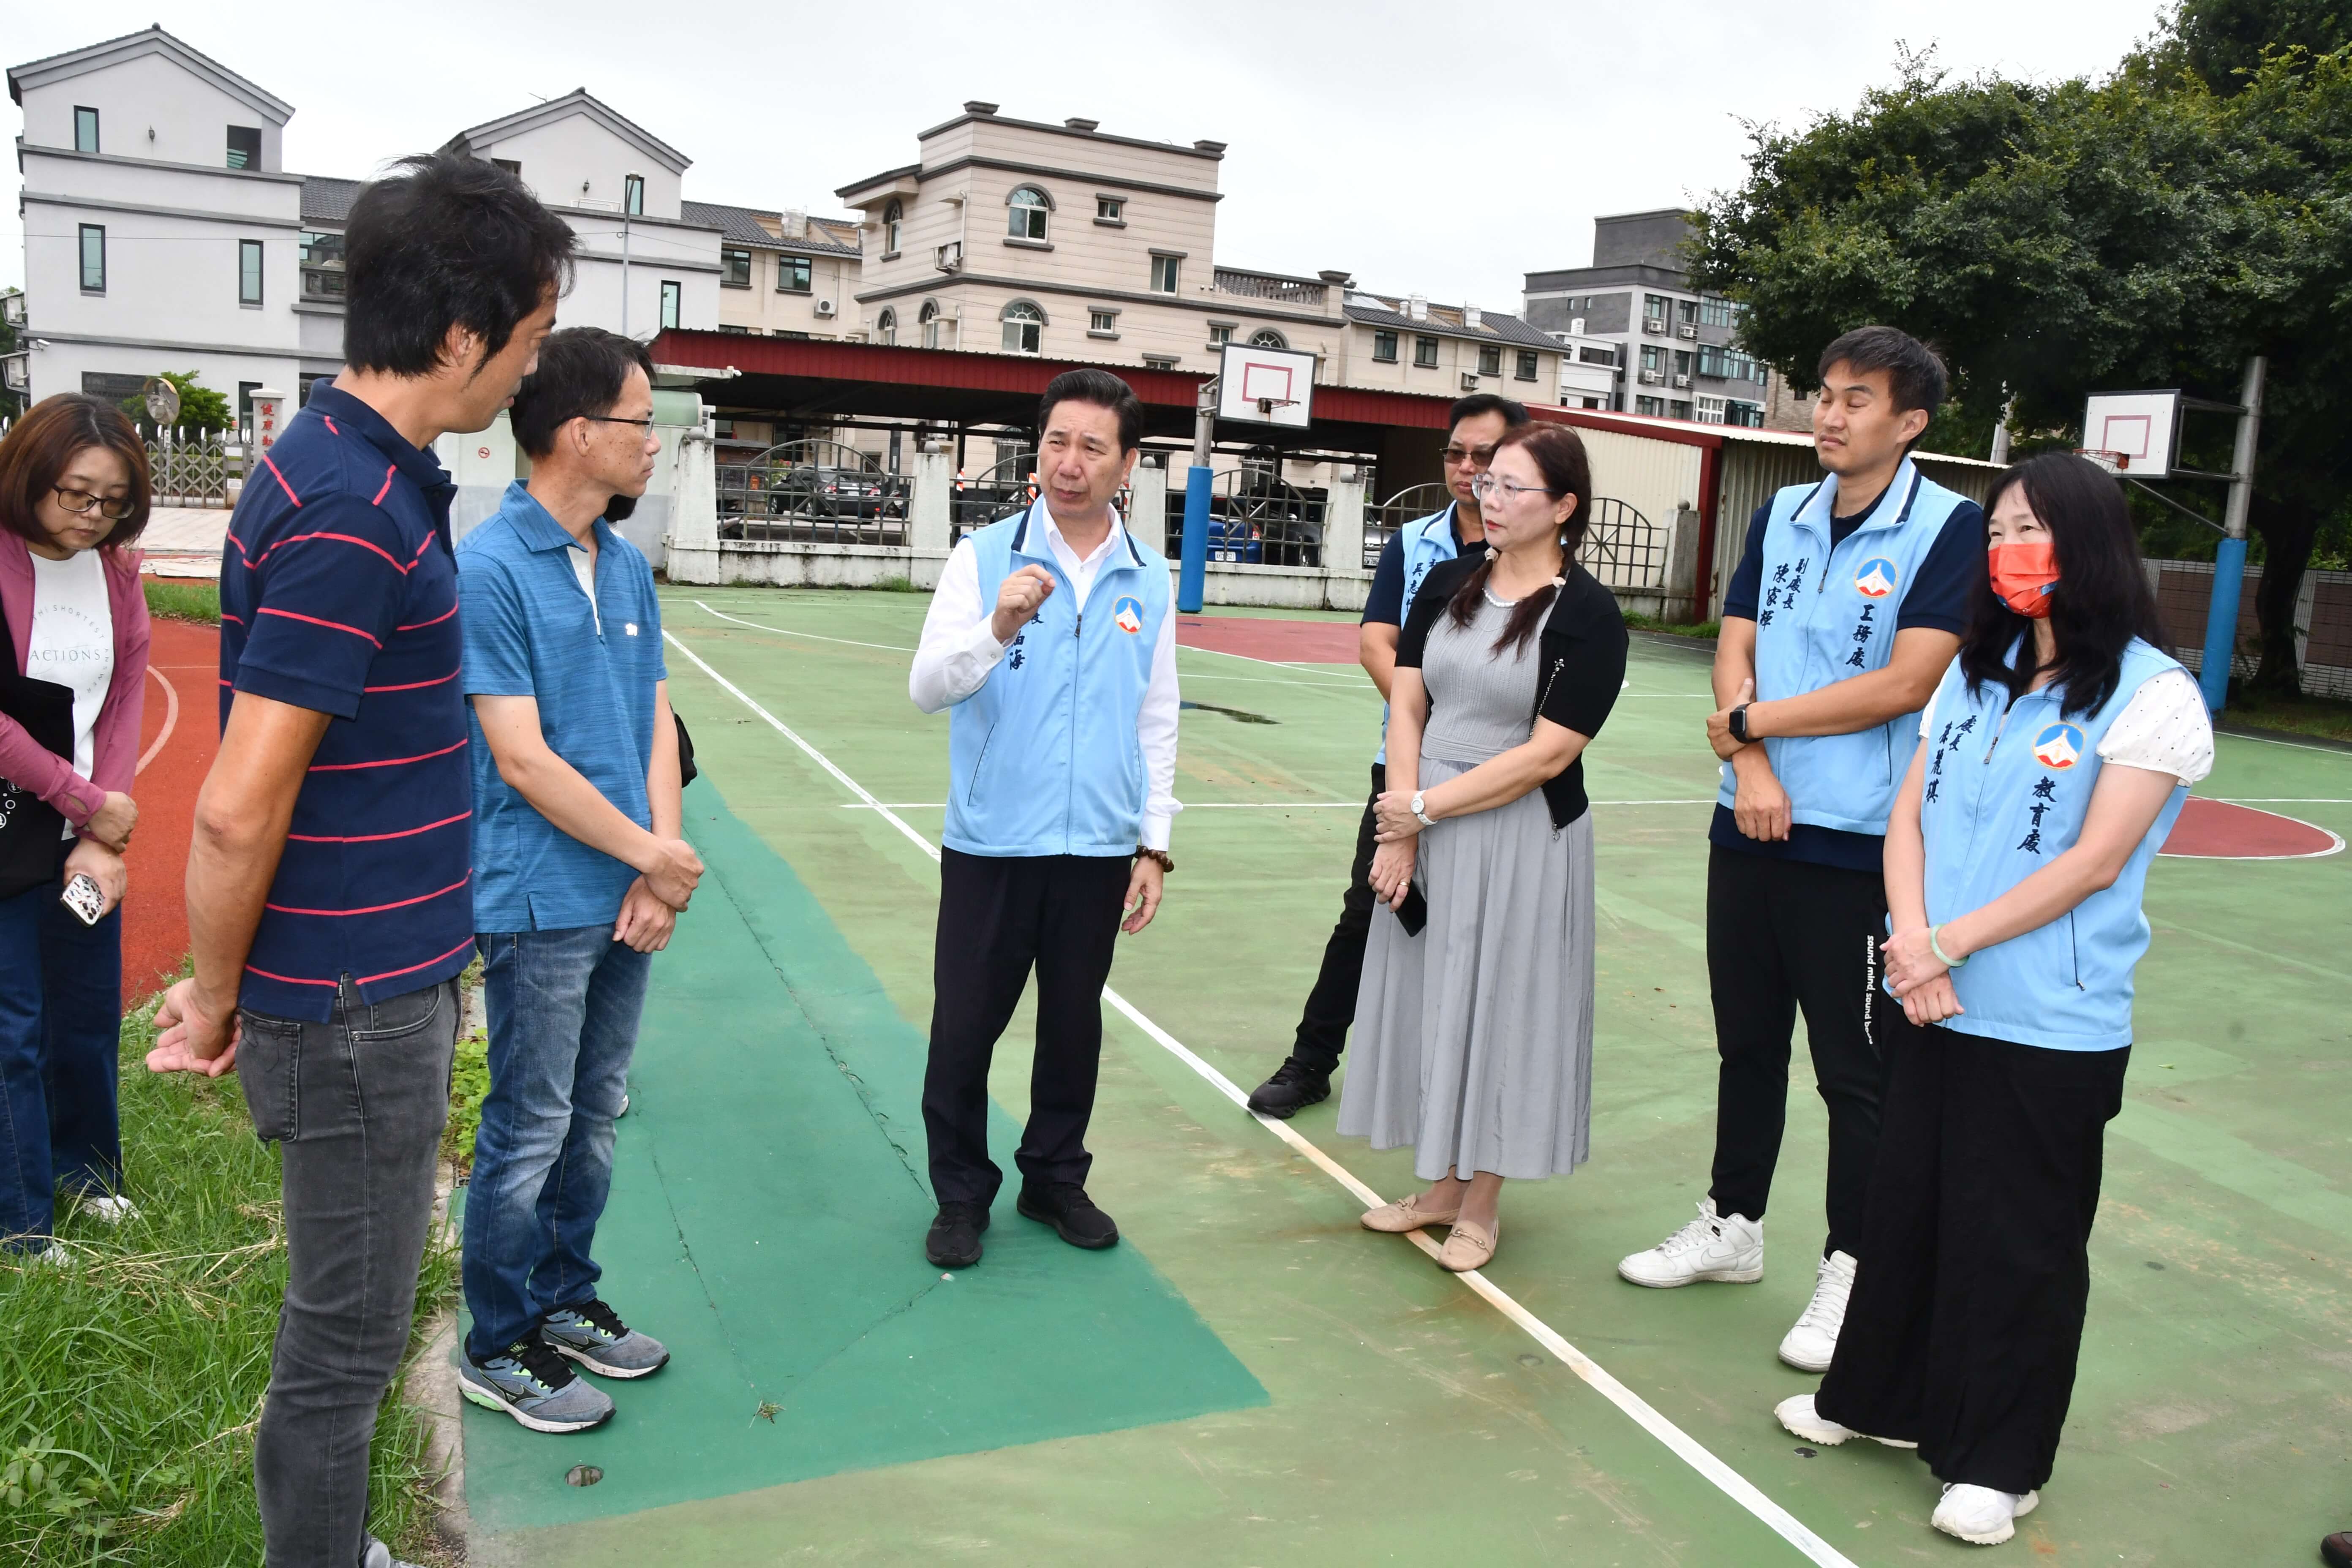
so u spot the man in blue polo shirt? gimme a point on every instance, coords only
(581, 869)
(330, 894)
(1843, 615)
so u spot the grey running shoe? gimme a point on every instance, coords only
(624, 1106)
(530, 1382)
(594, 1335)
(376, 1554)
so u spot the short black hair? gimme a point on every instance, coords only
(1102, 389)
(443, 242)
(1915, 374)
(581, 370)
(1515, 414)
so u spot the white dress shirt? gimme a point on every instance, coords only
(959, 648)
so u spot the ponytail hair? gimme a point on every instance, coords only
(1558, 455)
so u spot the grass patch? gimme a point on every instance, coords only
(896, 586)
(469, 1081)
(2328, 718)
(1702, 630)
(183, 599)
(129, 1382)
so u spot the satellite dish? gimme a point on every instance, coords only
(162, 400)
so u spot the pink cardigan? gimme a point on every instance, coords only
(116, 743)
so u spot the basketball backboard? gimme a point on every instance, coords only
(1265, 386)
(2141, 428)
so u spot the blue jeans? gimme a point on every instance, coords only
(61, 1024)
(564, 1008)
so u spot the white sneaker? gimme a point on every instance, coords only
(53, 1256)
(1726, 1247)
(107, 1209)
(1980, 1515)
(1811, 1345)
(1798, 1414)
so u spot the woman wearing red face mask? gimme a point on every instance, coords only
(2051, 764)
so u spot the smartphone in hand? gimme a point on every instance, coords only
(84, 898)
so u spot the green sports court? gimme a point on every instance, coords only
(1250, 1377)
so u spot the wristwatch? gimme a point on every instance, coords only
(1737, 723)
(1418, 814)
(1166, 863)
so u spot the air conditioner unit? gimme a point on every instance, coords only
(1652, 377)
(1687, 329)
(1469, 381)
(949, 257)
(1575, 325)
(1654, 325)
(1682, 381)
(824, 307)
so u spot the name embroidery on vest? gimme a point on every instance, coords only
(1782, 593)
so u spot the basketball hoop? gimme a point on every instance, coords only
(2114, 462)
(1266, 405)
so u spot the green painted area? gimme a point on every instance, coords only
(1406, 1420)
(766, 1221)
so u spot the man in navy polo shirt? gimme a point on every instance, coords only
(330, 889)
(581, 872)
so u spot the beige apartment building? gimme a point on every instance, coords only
(783, 274)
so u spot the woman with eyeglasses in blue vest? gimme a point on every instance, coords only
(2052, 766)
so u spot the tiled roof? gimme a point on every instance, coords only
(1445, 322)
(326, 199)
(742, 226)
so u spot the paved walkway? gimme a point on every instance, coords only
(184, 540)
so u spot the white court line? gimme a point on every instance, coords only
(2290, 745)
(1731, 1482)
(2280, 799)
(846, 642)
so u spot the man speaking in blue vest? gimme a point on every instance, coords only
(1051, 639)
(1844, 613)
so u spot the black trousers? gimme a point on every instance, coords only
(1780, 935)
(999, 916)
(1967, 1316)
(1330, 1009)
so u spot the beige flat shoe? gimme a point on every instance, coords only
(1397, 1218)
(1468, 1245)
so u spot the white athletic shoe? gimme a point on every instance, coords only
(1726, 1247)
(1981, 1515)
(1798, 1414)
(1809, 1346)
(107, 1209)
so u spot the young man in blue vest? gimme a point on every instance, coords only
(1844, 613)
(1475, 425)
(1051, 638)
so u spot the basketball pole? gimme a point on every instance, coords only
(2230, 556)
(1192, 573)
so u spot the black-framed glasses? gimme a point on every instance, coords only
(81, 503)
(1455, 457)
(644, 426)
(1487, 487)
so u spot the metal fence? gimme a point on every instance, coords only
(812, 492)
(1257, 518)
(1383, 519)
(193, 467)
(1623, 548)
(998, 493)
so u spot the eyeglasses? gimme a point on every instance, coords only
(1489, 488)
(644, 426)
(81, 503)
(1455, 457)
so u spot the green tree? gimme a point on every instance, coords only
(201, 407)
(2149, 229)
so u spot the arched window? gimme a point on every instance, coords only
(929, 319)
(1268, 338)
(1025, 328)
(1027, 208)
(886, 326)
(894, 216)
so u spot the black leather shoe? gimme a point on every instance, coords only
(1294, 1087)
(2336, 1550)
(954, 1240)
(1065, 1207)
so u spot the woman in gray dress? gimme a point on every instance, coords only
(1474, 1026)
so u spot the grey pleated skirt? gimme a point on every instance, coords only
(1474, 1040)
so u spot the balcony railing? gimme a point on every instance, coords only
(1273, 287)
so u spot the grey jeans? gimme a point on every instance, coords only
(358, 1104)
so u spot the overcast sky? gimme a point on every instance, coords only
(1423, 148)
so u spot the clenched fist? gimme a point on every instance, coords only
(1019, 599)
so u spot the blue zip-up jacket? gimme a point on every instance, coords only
(2006, 792)
(1828, 615)
(1423, 543)
(1044, 758)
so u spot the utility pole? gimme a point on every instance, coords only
(2230, 556)
(624, 269)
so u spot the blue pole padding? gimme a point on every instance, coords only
(2221, 619)
(1191, 580)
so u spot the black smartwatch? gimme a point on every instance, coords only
(1737, 723)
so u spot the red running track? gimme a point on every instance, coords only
(1277, 642)
(2220, 829)
(183, 663)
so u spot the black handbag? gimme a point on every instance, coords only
(687, 771)
(32, 831)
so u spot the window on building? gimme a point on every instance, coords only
(511, 166)
(1159, 362)
(738, 331)
(1710, 410)
(1425, 353)
(1109, 209)
(93, 259)
(1687, 311)
(245, 391)
(1163, 274)
(1654, 408)
(248, 272)
(1715, 311)
(735, 269)
(791, 274)
(633, 194)
(1267, 338)
(1220, 333)
(245, 147)
(1525, 370)
(673, 296)
(1593, 353)
(1025, 328)
(1654, 307)
(1490, 360)
(85, 130)
(894, 218)
(1750, 415)
(1682, 365)
(1102, 323)
(928, 318)
(1678, 409)
(1654, 359)
(1725, 363)
(1026, 212)
(886, 326)
(1384, 347)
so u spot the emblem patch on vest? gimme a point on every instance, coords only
(2059, 746)
(1877, 578)
(1127, 615)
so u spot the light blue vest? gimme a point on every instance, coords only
(1425, 541)
(1823, 615)
(1044, 758)
(2005, 794)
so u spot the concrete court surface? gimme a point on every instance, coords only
(1250, 1377)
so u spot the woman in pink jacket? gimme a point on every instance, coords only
(73, 496)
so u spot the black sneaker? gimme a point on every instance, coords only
(1065, 1207)
(2335, 1551)
(1294, 1087)
(954, 1239)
